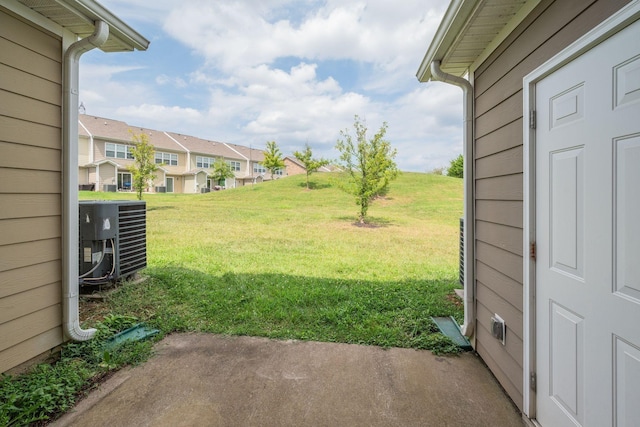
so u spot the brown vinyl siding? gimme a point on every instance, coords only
(552, 26)
(17, 181)
(30, 191)
(83, 151)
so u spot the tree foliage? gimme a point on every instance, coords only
(310, 164)
(144, 165)
(221, 170)
(273, 158)
(369, 164)
(456, 168)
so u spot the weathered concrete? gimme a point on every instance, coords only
(212, 380)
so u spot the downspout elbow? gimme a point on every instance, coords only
(70, 300)
(467, 89)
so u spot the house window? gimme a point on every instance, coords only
(204, 162)
(279, 172)
(258, 168)
(166, 159)
(118, 151)
(235, 166)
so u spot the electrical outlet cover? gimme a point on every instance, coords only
(498, 328)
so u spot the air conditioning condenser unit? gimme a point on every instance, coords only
(112, 240)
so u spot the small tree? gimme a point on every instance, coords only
(310, 164)
(144, 164)
(273, 158)
(456, 169)
(369, 165)
(221, 170)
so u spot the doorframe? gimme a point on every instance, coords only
(120, 179)
(173, 184)
(612, 25)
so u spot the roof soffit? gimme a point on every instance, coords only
(469, 31)
(79, 16)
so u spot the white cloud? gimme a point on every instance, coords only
(160, 117)
(231, 35)
(247, 95)
(163, 79)
(105, 87)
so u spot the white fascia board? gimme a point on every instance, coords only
(454, 20)
(91, 11)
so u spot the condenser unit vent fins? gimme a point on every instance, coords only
(112, 240)
(132, 237)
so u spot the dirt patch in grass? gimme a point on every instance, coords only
(454, 299)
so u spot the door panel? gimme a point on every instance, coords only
(627, 221)
(588, 238)
(566, 212)
(627, 387)
(567, 364)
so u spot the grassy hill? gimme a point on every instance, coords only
(278, 260)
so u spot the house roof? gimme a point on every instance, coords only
(79, 17)
(247, 153)
(115, 130)
(195, 172)
(326, 168)
(203, 146)
(293, 159)
(469, 31)
(102, 162)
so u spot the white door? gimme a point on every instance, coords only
(169, 185)
(588, 238)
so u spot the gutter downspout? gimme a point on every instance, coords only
(70, 312)
(468, 233)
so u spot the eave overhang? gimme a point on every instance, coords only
(469, 31)
(79, 17)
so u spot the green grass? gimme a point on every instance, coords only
(273, 260)
(277, 260)
(51, 389)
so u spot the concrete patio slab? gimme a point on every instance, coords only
(212, 380)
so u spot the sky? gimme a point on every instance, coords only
(291, 71)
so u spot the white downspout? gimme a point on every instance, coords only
(71, 317)
(469, 243)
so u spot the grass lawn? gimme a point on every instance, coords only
(273, 260)
(280, 261)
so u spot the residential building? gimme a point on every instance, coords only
(41, 43)
(551, 95)
(293, 166)
(185, 162)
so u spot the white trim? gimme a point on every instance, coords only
(91, 11)
(173, 184)
(239, 153)
(188, 166)
(454, 19)
(91, 148)
(504, 33)
(603, 31)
